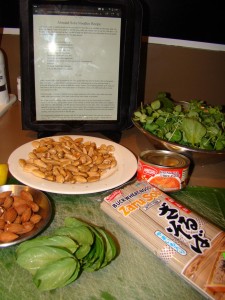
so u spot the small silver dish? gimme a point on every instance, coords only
(45, 210)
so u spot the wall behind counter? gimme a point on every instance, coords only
(184, 72)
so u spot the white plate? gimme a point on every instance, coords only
(125, 170)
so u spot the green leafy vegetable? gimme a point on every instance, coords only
(110, 247)
(193, 130)
(82, 234)
(194, 124)
(57, 260)
(155, 104)
(35, 258)
(56, 274)
(63, 242)
(94, 262)
(83, 251)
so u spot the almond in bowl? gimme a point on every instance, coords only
(24, 212)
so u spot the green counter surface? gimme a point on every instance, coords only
(136, 274)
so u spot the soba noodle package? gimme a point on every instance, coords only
(186, 242)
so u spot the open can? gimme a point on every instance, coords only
(164, 169)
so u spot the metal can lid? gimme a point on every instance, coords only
(165, 158)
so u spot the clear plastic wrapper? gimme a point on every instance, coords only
(189, 244)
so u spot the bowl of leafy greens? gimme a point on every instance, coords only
(192, 128)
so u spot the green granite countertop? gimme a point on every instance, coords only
(136, 274)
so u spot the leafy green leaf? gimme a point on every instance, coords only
(34, 258)
(220, 143)
(81, 234)
(75, 274)
(56, 274)
(138, 114)
(82, 251)
(194, 130)
(94, 263)
(205, 144)
(63, 242)
(174, 136)
(155, 104)
(110, 247)
(151, 127)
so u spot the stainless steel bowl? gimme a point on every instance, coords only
(197, 156)
(45, 210)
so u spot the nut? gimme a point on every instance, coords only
(18, 201)
(52, 160)
(26, 215)
(17, 215)
(35, 218)
(2, 224)
(27, 227)
(7, 236)
(15, 228)
(93, 178)
(26, 195)
(18, 220)
(10, 215)
(2, 211)
(21, 208)
(34, 206)
(8, 202)
(5, 194)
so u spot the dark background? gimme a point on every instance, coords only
(195, 20)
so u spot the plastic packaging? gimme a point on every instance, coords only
(4, 95)
(189, 244)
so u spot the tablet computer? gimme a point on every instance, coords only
(79, 64)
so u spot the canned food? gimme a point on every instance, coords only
(164, 169)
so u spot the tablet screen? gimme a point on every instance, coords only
(76, 62)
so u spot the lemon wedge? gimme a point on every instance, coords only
(3, 173)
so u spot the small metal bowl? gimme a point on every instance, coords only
(45, 210)
(197, 156)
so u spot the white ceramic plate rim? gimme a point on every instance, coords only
(125, 170)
